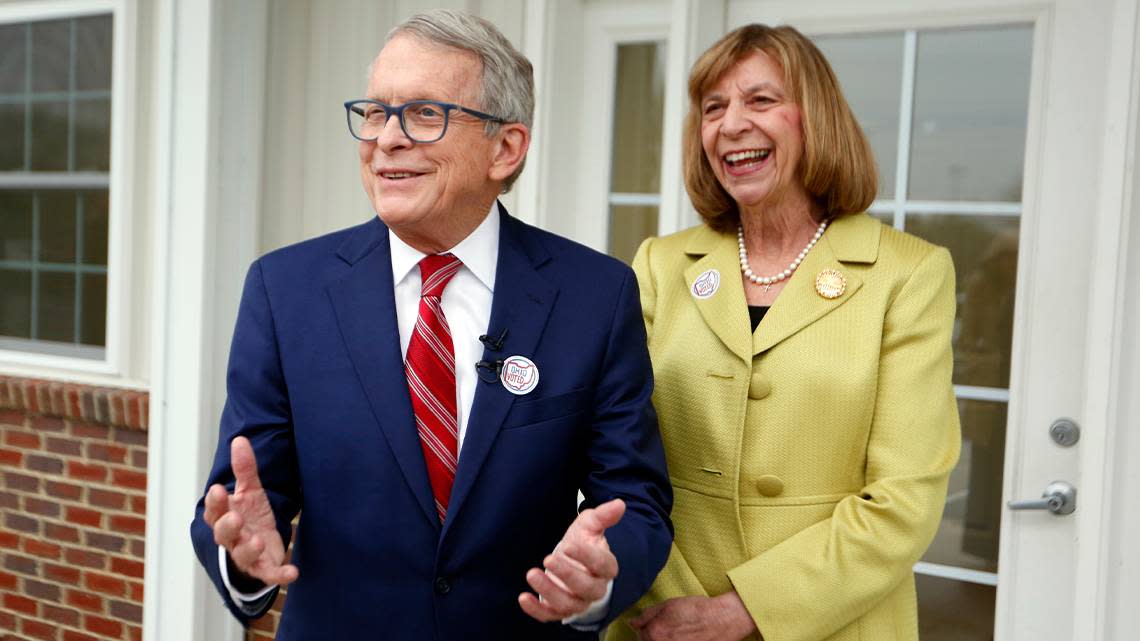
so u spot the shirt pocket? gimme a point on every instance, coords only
(533, 411)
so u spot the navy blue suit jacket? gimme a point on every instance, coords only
(316, 382)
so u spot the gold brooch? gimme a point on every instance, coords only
(830, 284)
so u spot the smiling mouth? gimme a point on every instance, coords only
(398, 175)
(747, 158)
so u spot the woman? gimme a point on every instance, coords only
(809, 450)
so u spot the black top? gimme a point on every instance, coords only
(756, 314)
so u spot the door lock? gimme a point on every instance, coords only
(1059, 497)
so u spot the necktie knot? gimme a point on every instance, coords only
(436, 271)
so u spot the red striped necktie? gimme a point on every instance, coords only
(430, 366)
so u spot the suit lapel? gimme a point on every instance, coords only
(521, 305)
(725, 311)
(850, 239)
(364, 302)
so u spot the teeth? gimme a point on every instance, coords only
(402, 174)
(738, 156)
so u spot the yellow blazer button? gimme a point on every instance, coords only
(759, 387)
(770, 485)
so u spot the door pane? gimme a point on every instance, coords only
(93, 53)
(49, 136)
(984, 249)
(950, 610)
(51, 51)
(57, 226)
(13, 58)
(15, 303)
(629, 226)
(15, 225)
(93, 135)
(12, 133)
(970, 109)
(56, 313)
(639, 107)
(869, 68)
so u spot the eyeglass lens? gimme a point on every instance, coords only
(422, 121)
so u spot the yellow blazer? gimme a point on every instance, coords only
(810, 459)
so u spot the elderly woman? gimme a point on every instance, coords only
(803, 363)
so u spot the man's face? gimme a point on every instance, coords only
(426, 191)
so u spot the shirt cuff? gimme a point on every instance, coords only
(588, 619)
(248, 602)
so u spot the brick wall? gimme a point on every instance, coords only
(73, 506)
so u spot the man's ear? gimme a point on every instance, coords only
(511, 144)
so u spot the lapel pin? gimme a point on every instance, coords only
(830, 284)
(519, 375)
(706, 284)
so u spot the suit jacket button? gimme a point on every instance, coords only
(759, 388)
(442, 586)
(770, 485)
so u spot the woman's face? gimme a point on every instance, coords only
(750, 131)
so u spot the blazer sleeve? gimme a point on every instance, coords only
(815, 582)
(257, 407)
(676, 579)
(626, 457)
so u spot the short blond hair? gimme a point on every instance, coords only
(837, 169)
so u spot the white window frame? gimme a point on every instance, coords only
(112, 367)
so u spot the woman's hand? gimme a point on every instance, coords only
(696, 618)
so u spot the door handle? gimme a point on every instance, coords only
(1059, 497)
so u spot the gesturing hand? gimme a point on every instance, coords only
(578, 570)
(695, 618)
(243, 522)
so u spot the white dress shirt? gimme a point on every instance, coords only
(466, 303)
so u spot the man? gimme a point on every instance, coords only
(431, 389)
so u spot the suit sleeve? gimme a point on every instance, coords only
(813, 583)
(676, 578)
(626, 457)
(257, 407)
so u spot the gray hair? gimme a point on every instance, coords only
(507, 88)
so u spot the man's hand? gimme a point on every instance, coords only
(695, 618)
(579, 570)
(243, 523)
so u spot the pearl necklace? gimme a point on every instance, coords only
(768, 281)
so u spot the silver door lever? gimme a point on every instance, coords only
(1059, 497)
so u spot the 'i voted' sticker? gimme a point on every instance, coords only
(706, 284)
(519, 375)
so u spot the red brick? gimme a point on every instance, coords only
(64, 616)
(21, 523)
(61, 573)
(7, 581)
(108, 542)
(9, 501)
(72, 635)
(135, 632)
(16, 438)
(84, 600)
(264, 624)
(108, 453)
(127, 567)
(138, 504)
(100, 625)
(12, 417)
(83, 516)
(7, 621)
(20, 604)
(21, 564)
(57, 532)
(136, 592)
(45, 464)
(90, 430)
(42, 591)
(9, 540)
(86, 472)
(130, 436)
(128, 525)
(127, 478)
(39, 630)
(64, 490)
(65, 446)
(47, 423)
(42, 549)
(21, 482)
(85, 559)
(11, 458)
(104, 583)
(138, 459)
(138, 548)
(131, 612)
(145, 410)
(106, 498)
(71, 399)
(41, 507)
(134, 418)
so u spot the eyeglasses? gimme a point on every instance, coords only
(422, 121)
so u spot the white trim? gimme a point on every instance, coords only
(956, 573)
(112, 368)
(906, 122)
(974, 393)
(946, 207)
(636, 200)
(530, 186)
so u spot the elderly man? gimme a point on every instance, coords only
(431, 389)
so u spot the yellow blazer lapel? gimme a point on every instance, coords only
(725, 311)
(850, 239)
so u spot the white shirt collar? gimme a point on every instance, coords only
(479, 251)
